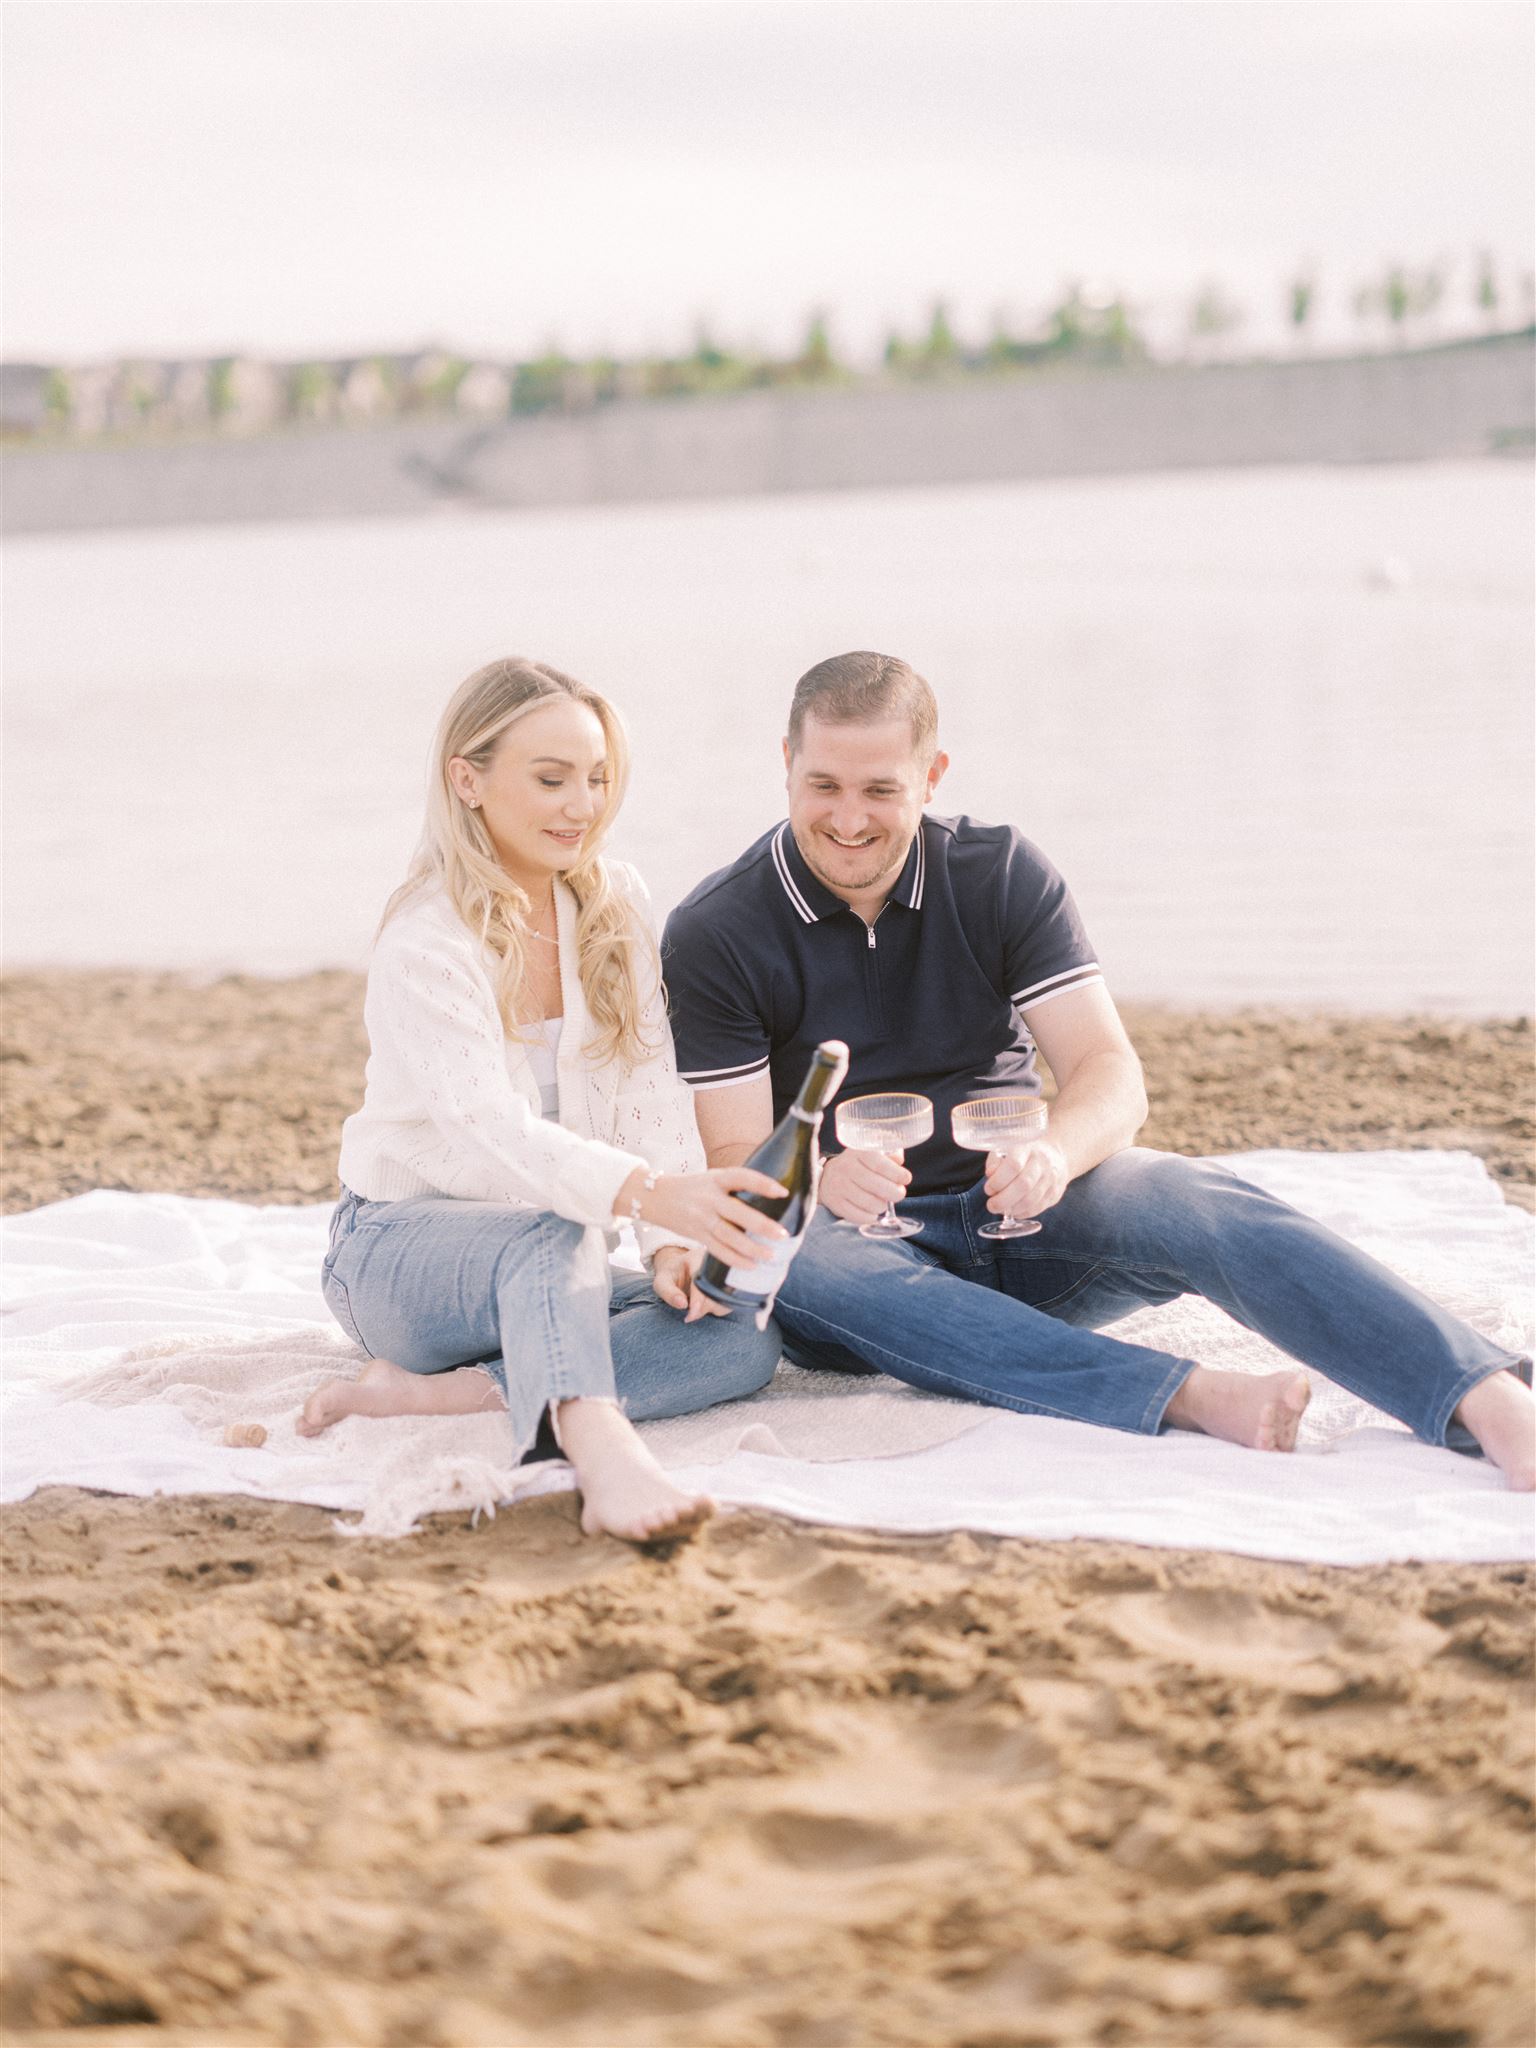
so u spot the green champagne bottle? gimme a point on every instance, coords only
(791, 1156)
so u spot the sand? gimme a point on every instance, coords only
(239, 1088)
(785, 1789)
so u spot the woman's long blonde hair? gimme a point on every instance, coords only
(455, 853)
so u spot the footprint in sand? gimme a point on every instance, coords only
(831, 1842)
(1002, 1747)
(784, 1553)
(578, 1877)
(844, 1592)
(1217, 1629)
(193, 1830)
(564, 1990)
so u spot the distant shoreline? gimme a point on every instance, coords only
(1443, 403)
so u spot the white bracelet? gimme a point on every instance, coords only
(646, 1187)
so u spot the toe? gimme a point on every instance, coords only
(1293, 1406)
(678, 1526)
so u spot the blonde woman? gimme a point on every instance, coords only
(521, 1102)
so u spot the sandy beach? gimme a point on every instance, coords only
(787, 1788)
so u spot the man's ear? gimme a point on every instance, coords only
(935, 774)
(788, 757)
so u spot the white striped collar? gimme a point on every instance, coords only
(782, 846)
(812, 898)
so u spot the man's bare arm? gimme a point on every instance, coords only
(1101, 1100)
(734, 1121)
(1100, 1106)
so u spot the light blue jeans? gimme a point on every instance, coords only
(433, 1283)
(1016, 1323)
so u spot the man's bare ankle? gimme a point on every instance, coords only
(1180, 1412)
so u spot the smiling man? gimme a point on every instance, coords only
(944, 951)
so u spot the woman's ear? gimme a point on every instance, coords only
(464, 780)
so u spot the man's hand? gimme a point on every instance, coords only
(1025, 1183)
(672, 1272)
(857, 1185)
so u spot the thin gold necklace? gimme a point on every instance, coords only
(533, 933)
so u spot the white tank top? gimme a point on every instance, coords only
(541, 1057)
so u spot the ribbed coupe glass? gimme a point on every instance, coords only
(885, 1123)
(1001, 1123)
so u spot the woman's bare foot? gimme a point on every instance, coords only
(1260, 1410)
(623, 1490)
(1500, 1411)
(385, 1389)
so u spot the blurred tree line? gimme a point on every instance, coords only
(1084, 327)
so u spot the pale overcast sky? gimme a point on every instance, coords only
(291, 177)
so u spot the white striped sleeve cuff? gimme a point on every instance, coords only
(705, 1078)
(1053, 985)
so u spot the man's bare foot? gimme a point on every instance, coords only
(624, 1492)
(1260, 1410)
(1500, 1411)
(385, 1389)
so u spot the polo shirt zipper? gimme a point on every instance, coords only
(869, 925)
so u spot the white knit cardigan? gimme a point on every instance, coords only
(451, 1104)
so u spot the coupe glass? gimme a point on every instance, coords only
(1001, 1123)
(885, 1123)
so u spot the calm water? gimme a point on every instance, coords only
(1275, 726)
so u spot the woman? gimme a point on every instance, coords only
(521, 1102)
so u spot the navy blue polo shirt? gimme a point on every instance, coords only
(763, 962)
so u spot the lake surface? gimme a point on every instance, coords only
(1275, 726)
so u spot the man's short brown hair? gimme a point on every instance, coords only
(857, 689)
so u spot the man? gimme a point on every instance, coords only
(943, 951)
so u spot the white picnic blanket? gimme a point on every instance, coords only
(139, 1327)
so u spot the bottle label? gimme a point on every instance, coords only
(767, 1276)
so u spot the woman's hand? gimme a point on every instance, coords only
(703, 1206)
(672, 1271)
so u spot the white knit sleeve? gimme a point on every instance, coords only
(653, 1109)
(434, 1010)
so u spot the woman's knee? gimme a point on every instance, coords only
(542, 1240)
(559, 1233)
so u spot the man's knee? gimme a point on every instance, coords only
(816, 1264)
(749, 1356)
(1140, 1174)
(835, 1258)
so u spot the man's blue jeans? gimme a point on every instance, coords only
(1013, 1323)
(432, 1283)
